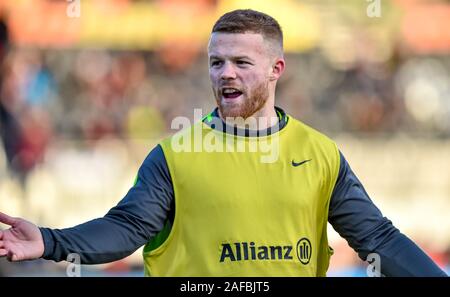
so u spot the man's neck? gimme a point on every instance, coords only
(260, 120)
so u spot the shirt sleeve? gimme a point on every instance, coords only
(356, 218)
(139, 216)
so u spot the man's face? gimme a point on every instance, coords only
(239, 69)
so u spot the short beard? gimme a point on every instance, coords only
(247, 108)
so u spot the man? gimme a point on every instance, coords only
(228, 213)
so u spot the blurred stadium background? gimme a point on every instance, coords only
(87, 88)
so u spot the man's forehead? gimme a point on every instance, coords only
(248, 37)
(238, 43)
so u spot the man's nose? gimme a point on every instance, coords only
(228, 72)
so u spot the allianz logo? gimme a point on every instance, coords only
(249, 251)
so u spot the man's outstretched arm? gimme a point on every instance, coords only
(137, 218)
(354, 216)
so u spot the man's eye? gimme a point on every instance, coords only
(216, 63)
(242, 63)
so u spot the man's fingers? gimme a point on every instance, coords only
(6, 219)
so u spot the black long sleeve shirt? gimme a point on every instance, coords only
(142, 213)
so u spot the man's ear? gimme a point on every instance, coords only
(277, 69)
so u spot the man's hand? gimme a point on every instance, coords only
(23, 241)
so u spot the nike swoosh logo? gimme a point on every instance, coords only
(298, 164)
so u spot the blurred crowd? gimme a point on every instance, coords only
(357, 78)
(90, 94)
(86, 96)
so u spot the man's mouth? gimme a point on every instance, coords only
(230, 93)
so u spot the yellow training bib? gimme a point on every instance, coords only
(238, 215)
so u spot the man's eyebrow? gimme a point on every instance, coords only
(242, 57)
